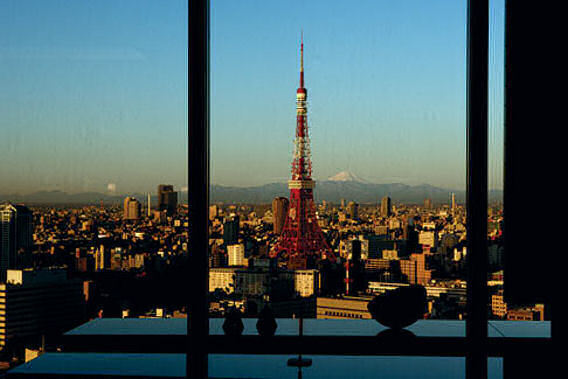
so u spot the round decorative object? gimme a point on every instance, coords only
(233, 325)
(266, 324)
(400, 307)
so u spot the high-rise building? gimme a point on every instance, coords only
(213, 212)
(453, 204)
(39, 302)
(16, 236)
(132, 209)
(102, 258)
(231, 230)
(167, 199)
(302, 242)
(386, 207)
(353, 210)
(354, 270)
(279, 212)
(148, 205)
(428, 203)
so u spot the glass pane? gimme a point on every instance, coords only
(93, 119)
(499, 308)
(495, 368)
(275, 366)
(337, 157)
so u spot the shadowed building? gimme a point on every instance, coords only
(231, 230)
(353, 210)
(279, 212)
(386, 207)
(39, 302)
(16, 235)
(167, 199)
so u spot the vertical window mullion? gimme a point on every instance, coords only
(198, 188)
(477, 105)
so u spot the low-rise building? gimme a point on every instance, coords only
(222, 278)
(498, 305)
(348, 307)
(306, 282)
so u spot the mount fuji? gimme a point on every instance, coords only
(346, 176)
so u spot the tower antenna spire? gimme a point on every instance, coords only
(302, 59)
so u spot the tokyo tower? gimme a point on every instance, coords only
(302, 242)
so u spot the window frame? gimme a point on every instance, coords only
(476, 347)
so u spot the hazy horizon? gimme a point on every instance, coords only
(94, 95)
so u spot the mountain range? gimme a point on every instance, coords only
(344, 185)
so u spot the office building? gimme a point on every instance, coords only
(347, 247)
(453, 204)
(167, 199)
(236, 255)
(231, 230)
(213, 212)
(386, 207)
(353, 210)
(498, 305)
(428, 238)
(415, 269)
(222, 278)
(428, 203)
(132, 208)
(16, 236)
(102, 258)
(306, 282)
(39, 302)
(279, 212)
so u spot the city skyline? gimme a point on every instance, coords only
(106, 106)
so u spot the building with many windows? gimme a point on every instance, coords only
(132, 209)
(16, 236)
(279, 211)
(347, 307)
(39, 302)
(386, 207)
(167, 199)
(236, 255)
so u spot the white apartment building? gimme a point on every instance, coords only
(306, 282)
(236, 255)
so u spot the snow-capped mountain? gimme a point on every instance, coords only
(346, 176)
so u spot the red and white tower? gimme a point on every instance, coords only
(302, 241)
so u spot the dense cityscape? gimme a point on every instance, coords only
(61, 266)
(73, 264)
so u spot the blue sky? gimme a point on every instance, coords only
(93, 93)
